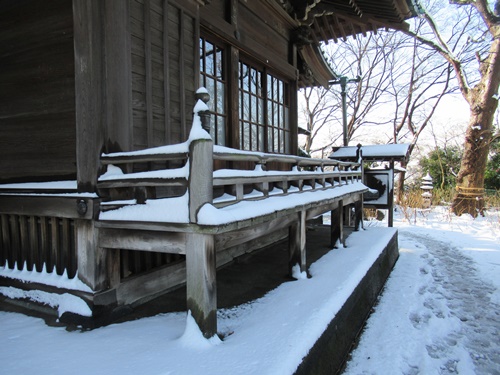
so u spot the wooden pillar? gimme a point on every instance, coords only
(97, 267)
(89, 90)
(337, 225)
(390, 218)
(297, 243)
(201, 282)
(358, 214)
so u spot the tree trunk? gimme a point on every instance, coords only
(483, 102)
(469, 197)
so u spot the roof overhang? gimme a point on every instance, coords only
(313, 68)
(338, 19)
(326, 20)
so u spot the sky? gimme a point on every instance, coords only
(438, 314)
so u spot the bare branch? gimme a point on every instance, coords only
(444, 51)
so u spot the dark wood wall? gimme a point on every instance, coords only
(82, 77)
(164, 47)
(37, 95)
(260, 32)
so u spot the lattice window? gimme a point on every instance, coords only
(212, 77)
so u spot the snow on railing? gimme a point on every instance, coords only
(245, 176)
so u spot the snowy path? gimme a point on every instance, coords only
(466, 296)
(436, 315)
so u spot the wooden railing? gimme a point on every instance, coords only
(37, 229)
(303, 174)
(230, 185)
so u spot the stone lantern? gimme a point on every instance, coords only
(427, 188)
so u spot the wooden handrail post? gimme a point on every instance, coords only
(201, 287)
(200, 175)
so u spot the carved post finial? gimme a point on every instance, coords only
(205, 117)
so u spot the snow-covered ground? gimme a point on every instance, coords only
(439, 314)
(440, 310)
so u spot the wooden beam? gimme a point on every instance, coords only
(161, 242)
(143, 287)
(97, 267)
(66, 207)
(201, 282)
(239, 237)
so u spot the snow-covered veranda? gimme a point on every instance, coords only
(439, 314)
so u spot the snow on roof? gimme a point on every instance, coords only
(374, 152)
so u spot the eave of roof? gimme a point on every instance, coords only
(326, 20)
(338, 19)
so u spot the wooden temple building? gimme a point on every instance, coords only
(119, 172)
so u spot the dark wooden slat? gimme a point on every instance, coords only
(16, 255)
(6, 240)
(142, 158)
(73, 262)
(44, 244)
(64, 253)
(166, 72)
(182, 73)
(45, 206)
(142, 182)
(54, 245)
(149, 78)
(25, 259)
(33, 246)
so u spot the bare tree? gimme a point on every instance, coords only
(322, 110)
(417, 96)
(401, 87)
(470, 42)
(319, 110)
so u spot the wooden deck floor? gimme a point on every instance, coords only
(249, 277)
